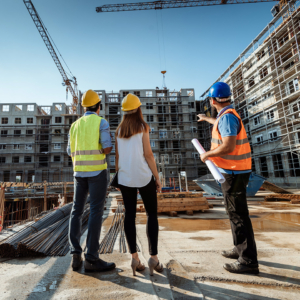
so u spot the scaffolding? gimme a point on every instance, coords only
(265, 85)
(171, 116)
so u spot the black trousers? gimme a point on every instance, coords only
(234, 192)
(149, 196)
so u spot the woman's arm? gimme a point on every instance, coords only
(150, 159)
(117, 156)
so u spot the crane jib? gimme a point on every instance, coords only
(43, 32)
(170, 4)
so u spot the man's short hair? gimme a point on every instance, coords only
(93, 108)
(222, 100)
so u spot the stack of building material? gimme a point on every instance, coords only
(9, 247)
(175, 201)
(181, 201)
(292, 198)
(274, 188)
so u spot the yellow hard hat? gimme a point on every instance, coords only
(131, 102)
(90, 98)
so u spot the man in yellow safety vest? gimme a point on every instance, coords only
(89, 142)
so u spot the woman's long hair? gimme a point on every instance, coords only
(132, 124)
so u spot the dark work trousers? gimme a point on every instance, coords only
(234, 192)
(96, 186)
(149, 196)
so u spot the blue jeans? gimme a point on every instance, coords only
(97, 187)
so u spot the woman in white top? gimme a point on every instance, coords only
(137, 170)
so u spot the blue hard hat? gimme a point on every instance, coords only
(219, 90)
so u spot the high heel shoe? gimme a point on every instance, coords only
(136, 266)
(154, 265)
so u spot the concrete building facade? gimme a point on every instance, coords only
(265, 84)
(33, 138)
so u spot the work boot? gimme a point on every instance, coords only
(237, 267)
(98, 265)
(76, 262)
(230, 253)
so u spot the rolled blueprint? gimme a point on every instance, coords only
(212, 168)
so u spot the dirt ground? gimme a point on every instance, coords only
(190, 249)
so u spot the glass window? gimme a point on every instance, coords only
(148, 93)
(151, 130)
(56, 158)
(16, 147)
(28, 146)
(57, 146)
(2, 146)
(57, 119)
(29, 120)
(18, 120)
(152, 144)
(273, 135)
(29, 132)
(2, 160)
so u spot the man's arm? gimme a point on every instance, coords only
(105, 138)
(227, 146)
(203, 117)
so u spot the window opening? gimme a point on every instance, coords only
(30, 107)
(4, 121)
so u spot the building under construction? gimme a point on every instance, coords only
(34, 138)
(265, 83)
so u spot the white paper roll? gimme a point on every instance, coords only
(211, 166)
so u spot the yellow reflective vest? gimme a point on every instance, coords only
(86, 151)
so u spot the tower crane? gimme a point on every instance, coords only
(70, 83)
(163, 4)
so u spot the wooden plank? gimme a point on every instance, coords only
(183, 203)
(179, 195)
(181, 200)
(183, 208)
(2, 197)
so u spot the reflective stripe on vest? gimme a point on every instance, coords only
(86, 151)
(240, 158)
(238, 142)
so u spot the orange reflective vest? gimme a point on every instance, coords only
(240, 158)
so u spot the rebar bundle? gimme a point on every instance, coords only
(9, 247)
(116, 228)
(51, 241)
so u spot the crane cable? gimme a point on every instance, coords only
(71, 75)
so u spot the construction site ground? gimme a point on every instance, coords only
(190, 249)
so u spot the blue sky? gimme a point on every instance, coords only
(123, 50)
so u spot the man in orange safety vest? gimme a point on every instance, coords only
(231, 153)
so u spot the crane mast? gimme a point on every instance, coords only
(170, 4)
(42, 30)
